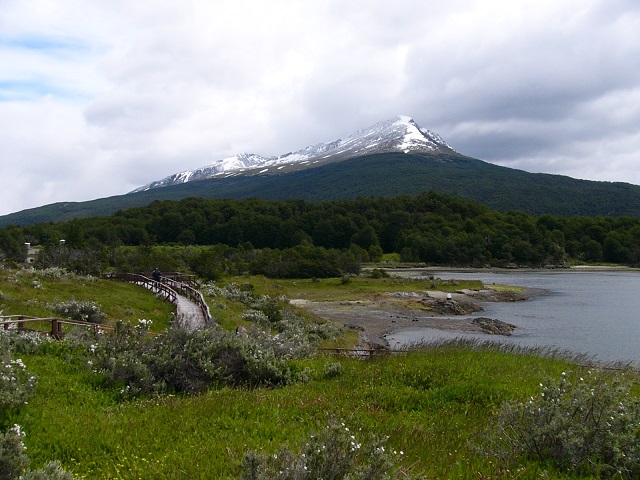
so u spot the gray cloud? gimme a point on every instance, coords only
(97, 98)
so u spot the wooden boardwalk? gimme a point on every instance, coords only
(189, 314)
(192, 311)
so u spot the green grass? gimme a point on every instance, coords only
(433, 405)
(505, 288)
(333, 289)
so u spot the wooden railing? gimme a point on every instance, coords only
(359, 352)
(192, 294)
(189, 280)
(21, 323)
(169, 287)
(160, 288)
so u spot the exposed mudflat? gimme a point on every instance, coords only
(379, 315)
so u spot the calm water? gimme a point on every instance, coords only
(591, 312)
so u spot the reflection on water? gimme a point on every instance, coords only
(590, 312)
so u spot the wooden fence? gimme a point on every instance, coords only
(189, 280)
(22, 323)
(192, 294)
(360, 352)
(160, 288)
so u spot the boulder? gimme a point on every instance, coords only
(493, 326)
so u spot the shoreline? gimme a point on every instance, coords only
(581, 268)
(379, 316)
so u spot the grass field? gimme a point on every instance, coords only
(435, 406)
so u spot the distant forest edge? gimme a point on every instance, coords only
(301, 239)
(383, 175)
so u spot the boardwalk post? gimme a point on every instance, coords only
(56, 329)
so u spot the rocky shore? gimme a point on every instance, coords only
(377, 316)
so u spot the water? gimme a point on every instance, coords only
(596, 313)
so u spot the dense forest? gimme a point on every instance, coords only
(296, 238)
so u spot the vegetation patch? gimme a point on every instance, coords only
(589, 425)
(55, 292)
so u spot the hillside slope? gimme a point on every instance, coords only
(388, 174)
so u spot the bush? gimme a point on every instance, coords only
(51, 471)
(13, 459)
(337, 453)
(187, 361)
(84, 311)
(16, 385)
(592, 427)
(295, 336)
(332, 370)
(378, 273)
(23, 342)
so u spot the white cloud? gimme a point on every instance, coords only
(97, 98)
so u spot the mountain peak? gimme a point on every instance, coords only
(397, 134)
(402, 134)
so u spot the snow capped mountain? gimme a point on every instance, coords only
(399, 134)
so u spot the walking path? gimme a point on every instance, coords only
(189, 314)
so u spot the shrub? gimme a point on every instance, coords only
(85, 311)
(54, 273)
(379, 273)
(295, 335)
(337, 453)
(23, 342)
(232, 291)
(16, 384)
(187, 361)
(51, 471)
(332, 370)
(13, 459)
(592, 427)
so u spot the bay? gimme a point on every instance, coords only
(584, 311)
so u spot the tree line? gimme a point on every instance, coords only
(294, 238)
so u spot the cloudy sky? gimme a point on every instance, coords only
(100, 97)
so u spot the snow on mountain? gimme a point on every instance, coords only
(399, 134)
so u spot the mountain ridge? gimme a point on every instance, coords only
(413, 160)
(396, 134)
(497, 187)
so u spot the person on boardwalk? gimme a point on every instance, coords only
(157, 276)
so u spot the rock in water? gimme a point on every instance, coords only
(493, 326)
